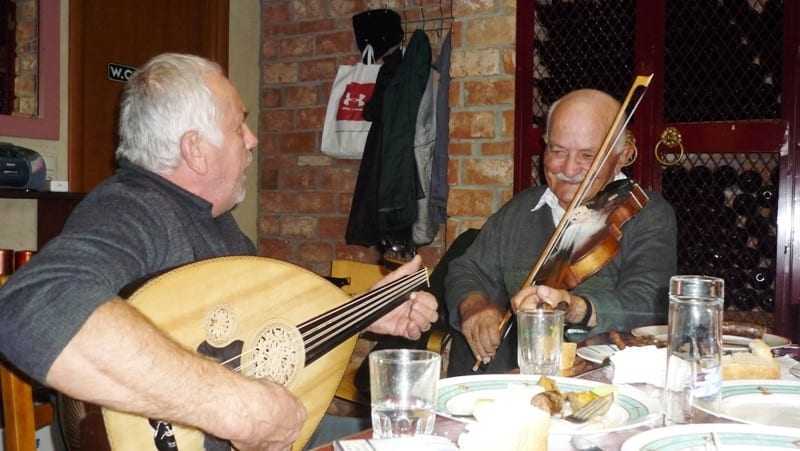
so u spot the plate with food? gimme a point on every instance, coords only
(461, 396)
(763, 402)
(717, 436)
(735, 336)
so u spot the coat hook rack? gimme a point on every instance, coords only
(442, 23)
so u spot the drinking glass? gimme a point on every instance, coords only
(539, 335)
(403, 391)
(694, 374)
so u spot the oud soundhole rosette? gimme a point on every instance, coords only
(277, 353)
(221, 325)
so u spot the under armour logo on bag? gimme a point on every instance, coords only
(359, 102)
(352, 102)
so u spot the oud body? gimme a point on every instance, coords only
(247, 306)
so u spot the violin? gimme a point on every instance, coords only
(611, 209)
(571, 255)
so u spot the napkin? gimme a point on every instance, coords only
(507, 423)
(640, 364)
(415, 443)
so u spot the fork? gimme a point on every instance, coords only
(592, 409)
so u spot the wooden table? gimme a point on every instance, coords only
(584, 370)
(452, 429)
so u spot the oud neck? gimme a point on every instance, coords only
(328, 330)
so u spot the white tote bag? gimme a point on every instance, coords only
(345, 131)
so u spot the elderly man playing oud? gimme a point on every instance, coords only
(629, 291)
(184, 147)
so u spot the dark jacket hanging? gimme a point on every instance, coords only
(362, 225)
(439, 187)
(400, 187)
(385, 199)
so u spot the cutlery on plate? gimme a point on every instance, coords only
(593, 408)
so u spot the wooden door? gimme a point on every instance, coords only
(726, 81)
(731, 97)
(128, 33)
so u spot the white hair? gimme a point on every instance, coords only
(164, 99)
(618, 148)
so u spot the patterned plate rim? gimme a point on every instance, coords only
(766, 387)
(676, 438)
(639, 407)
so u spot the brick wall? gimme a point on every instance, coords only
(26, 67)
(304, 195)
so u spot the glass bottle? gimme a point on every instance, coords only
(694, 375)
(761, 278)
(749, 181)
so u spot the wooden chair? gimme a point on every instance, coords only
(22, 417)
(358, 277)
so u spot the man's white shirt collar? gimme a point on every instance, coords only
(549, 198)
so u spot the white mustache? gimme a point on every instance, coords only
(564, 178)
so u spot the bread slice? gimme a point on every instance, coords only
(568, 351)
(759, 348)
(756, 364)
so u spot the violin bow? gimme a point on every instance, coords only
(621, 121)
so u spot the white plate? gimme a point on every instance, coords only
(729, 342)
(462, 405)
(597, 353)
(764, 402)
(631, 407)
(728, 437)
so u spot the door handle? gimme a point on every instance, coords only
(671, 138)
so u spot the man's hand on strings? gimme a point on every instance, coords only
(411, 318)
(480, 324)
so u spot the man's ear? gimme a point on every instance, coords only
(625, 157)
(192, 152)
(629, 153)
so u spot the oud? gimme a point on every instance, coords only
(259, 317)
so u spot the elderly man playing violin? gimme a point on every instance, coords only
(629, 291)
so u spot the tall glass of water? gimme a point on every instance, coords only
(694, 375)
(539, 336)
(403, 391)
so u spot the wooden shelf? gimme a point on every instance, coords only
(52, 210)
(6, 193)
